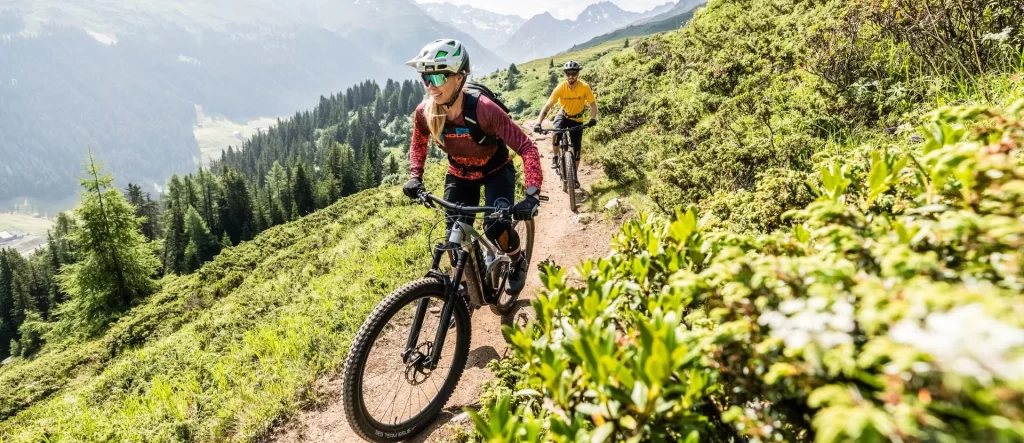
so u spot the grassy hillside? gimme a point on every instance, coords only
(226, 352)
(836, 251)
(538, 78)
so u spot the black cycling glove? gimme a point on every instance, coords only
(592, 123)
(525, 209)
(413, 187)
(538, 129)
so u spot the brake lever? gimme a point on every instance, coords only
(426, 202)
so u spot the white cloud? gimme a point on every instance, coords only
(563, 9)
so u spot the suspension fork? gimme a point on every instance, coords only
(423, 304)
(448, 310)
(451, 291)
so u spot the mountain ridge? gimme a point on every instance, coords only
(491, 29)
(544, 35)
(241, 62)
(667, 21)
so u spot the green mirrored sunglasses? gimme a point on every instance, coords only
(437, 80)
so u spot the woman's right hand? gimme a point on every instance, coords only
(413, 187)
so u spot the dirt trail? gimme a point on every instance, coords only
(560, 238)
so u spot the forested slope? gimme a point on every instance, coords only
(225, 352)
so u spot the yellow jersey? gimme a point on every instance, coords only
(573, 101)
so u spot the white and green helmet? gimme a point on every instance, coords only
(442, 55)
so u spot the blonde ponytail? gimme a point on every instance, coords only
(437, 116)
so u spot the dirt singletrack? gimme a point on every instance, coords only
(560, 237)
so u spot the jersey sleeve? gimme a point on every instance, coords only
(554, 95)
(496, 122)
(419, 144)
(589, 96)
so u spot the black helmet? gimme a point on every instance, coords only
(571, 65)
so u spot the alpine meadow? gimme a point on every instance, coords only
(820, 238)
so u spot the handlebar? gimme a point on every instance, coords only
(426, 198)
(429, 199)
(562, 131)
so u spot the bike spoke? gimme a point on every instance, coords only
(402, 390)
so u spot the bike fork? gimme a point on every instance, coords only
(446, 317)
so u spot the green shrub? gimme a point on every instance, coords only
(856, 324)
(751, 89)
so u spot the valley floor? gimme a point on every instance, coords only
(34, 229)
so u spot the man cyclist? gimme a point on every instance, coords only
(573, 95)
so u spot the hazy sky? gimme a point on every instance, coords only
(564, 9)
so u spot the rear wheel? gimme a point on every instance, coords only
(570, 178)
(389, 392)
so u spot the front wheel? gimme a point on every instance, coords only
(570, 178)
(561, 169)
(390, 390)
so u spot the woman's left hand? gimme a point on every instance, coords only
(526, 209)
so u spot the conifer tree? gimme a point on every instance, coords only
(145, 208)
(202, 245)
(350, 181)
(236, 212)
(8, 329)
(392, 165)
(174, 227)
(302, 193)
(366, 180)
(115, 264)
(280, 191)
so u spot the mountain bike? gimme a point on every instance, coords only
(566, 163)
(409, 354)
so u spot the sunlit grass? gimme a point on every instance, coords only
(256, 328)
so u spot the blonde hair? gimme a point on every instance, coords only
(436, 117)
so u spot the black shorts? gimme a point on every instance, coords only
(575, 136)
(499, 189)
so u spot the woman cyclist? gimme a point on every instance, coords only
(444, 66)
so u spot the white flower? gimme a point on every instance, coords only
(842, 323)
(792, 306)
(968, 342)
(832, 339)
(817, 303)
(797, 339)
(810, 321)
(842, 308)
(998, 36)
(772, 319)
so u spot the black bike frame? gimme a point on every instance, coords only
(563, 145)
(456, 242)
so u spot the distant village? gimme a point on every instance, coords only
(10, 237)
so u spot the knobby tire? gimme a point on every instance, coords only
(359, 418)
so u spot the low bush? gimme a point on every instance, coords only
(858, 323)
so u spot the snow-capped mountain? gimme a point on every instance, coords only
(489, 28)
(544, 35)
